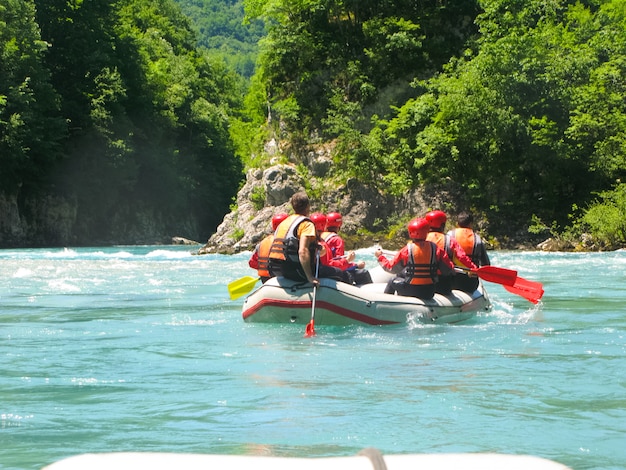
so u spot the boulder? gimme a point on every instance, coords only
(363, 207)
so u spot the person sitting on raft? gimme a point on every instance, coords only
(473, 245)
(330, 267)
(293, 252)
(437, 221)
(260, 259)
(334, 255)
(420, 260)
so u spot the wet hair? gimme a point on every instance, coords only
(464, 219)
(300, 202)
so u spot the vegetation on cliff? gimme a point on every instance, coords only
(521, 103)
(111, 105)
(126, 113)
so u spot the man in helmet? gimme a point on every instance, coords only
(437, 221)
(473, 246)
(260, 259)
(337, 267)
(420, 260)
(293, 252)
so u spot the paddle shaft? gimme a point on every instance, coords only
(310, 328)
(503, 276)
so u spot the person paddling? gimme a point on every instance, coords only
(472, 245)
(437, 220)
(293, 252)
(350, 272)
(260, 259)
(420, 261)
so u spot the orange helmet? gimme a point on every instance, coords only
(436, 218)
(418, 229)
(277, 219)
(334, 220)
(319, 220)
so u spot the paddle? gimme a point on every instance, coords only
(241, 286)
(310, 328)
(530, 290)
(503, 276)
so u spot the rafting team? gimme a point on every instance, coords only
(305, 247)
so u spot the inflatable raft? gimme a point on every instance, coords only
(282, 300)
(364, 461)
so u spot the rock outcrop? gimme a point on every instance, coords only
(267, 192)
(50, 221)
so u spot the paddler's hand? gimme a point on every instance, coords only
(315, 282)
(360, 264)
(378, 253)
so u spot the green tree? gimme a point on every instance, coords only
(224, 33)
(510, 120)
(30, 123)
(365, 51)
(148, 147)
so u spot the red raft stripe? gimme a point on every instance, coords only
(341, 311)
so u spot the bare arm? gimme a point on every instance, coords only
(305, 257)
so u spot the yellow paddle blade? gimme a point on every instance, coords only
(241, 286)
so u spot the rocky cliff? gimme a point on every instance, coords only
(52, 221)
(365, 210)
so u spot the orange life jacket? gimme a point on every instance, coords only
(286, 241)
(441, 241)
(421, 267)
(263, 255)
(468, 241)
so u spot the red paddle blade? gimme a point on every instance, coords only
(530, 290)
(310, 330)
(506, 277)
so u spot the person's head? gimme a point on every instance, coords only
(333, 221)
(418, 229)
(277, 219)
(436, 220)
(464, 219)
(300, 203)
(319, 220)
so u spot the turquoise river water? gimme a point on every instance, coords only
(141, 349)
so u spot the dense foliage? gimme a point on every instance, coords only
(520, 102)
(122, 108)
(112, 105)
(224, 33)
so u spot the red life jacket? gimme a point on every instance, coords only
(421, 267)
(334, 242)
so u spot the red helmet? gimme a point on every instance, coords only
(277, 219)
(319, 220)
(436, 218)
(418, 229)
(334, 220)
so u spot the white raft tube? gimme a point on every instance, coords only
(368, 459)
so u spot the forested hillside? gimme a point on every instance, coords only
(113, 124)
(521, 103)
(224, 32)
(119, 122)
